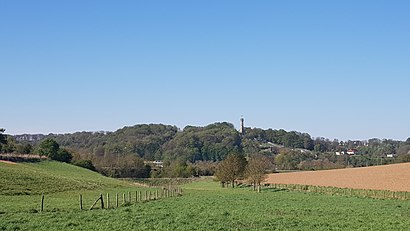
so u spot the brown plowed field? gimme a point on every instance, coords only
(394, 177)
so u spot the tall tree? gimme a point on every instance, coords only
(231, 169)
(3, 139)
(255, 171)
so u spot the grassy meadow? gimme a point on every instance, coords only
(203, 206)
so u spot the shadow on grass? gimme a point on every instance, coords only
(274, 190)
(263, 189)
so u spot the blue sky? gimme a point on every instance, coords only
(336, 69)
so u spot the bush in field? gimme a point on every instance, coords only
(88, 164)
(176, 169)
(204, 168)
(48, 147)
(63, 155)
(403, 158)
(51, 149)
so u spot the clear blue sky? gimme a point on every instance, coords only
(336, 69)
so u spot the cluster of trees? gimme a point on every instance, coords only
(144, 140)
(185, 153)
(8, 144)
(51, 149)
(196, 151)
(293, 139)
(157, 142)
(290, 139)
(3, 138)
(236, 167)
(209, 143)
(48, 148)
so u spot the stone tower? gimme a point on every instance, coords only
(242, 127)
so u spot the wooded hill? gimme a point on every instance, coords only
(148, 142)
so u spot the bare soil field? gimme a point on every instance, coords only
(394, 177)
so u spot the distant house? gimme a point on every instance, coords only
(352, 151)
(156, 163)
(391, 155)
(340, 153)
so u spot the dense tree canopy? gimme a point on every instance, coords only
(231, 169)
(51, 149)
(212, 142)
(48, 147)
(182, 151)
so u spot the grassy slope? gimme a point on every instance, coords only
(205, 206)
(49, 177)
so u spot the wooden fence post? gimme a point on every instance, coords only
(116, 200)
(136, 196)
(129, 197)
(42, 202)
(108, 201)
(81, 202)
(123, 199)
(102, 201)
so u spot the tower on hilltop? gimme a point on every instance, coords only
(242, 127)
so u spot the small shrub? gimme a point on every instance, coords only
(85, 164)
(126, 204)
(33, 210)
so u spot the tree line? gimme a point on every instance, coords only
(196, 150)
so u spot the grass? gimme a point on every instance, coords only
(22, 184)
(206, 206)
(155, 182)
(50, 177)
(380, 194)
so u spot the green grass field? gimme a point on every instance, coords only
(50, 177)
(203, 206)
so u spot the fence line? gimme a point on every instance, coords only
(149, 196)
(371, 193)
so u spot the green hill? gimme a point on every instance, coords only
(50, 177)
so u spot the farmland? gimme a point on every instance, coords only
(203, 206)
(394, 177)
